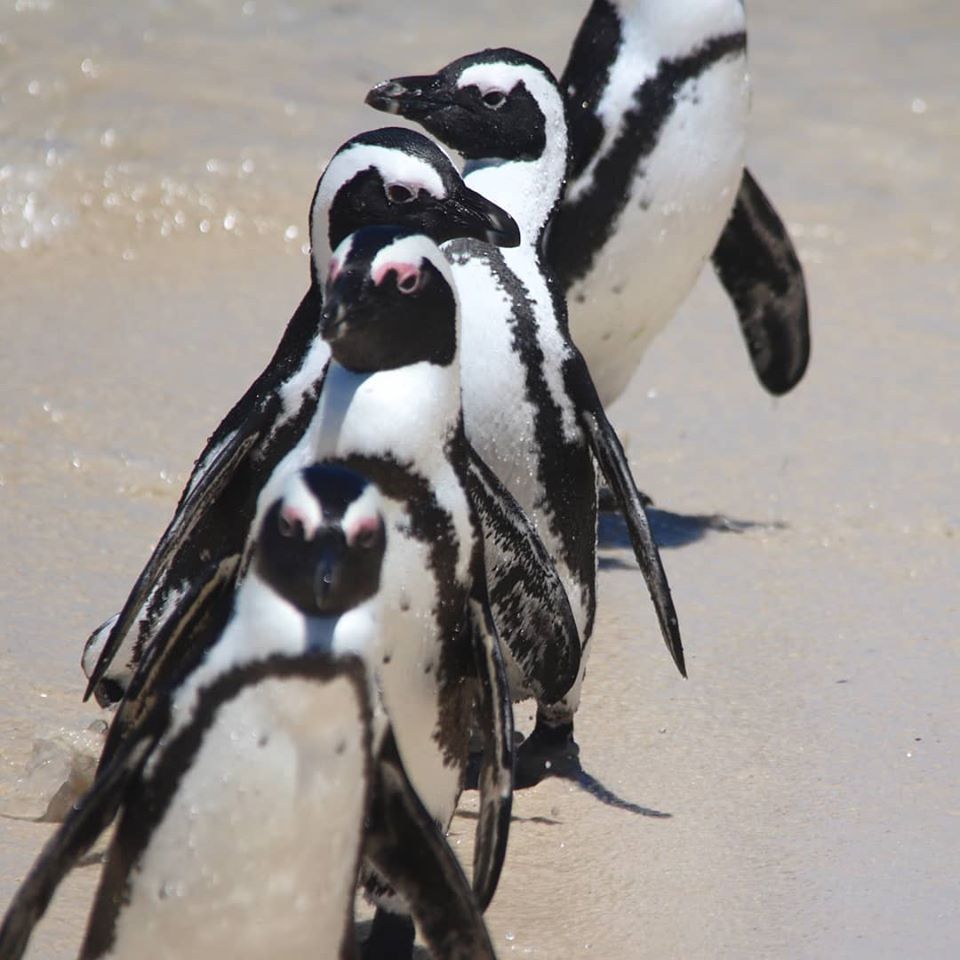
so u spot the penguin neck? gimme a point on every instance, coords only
(663, 29)
(406, 410)
(529, 190)
(266, 623)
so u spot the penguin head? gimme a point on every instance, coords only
(497, 104)
(399, 177)
(389, 302)
(321, 544)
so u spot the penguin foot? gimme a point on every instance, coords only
(550, 751)
(607, 501)
(391, 937)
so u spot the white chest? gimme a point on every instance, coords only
(509, 326)
(256, 855)
(679, 201)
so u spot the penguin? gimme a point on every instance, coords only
(249, 790)
(389, 175)
(657, 94)
(390, 409)
(530, 406)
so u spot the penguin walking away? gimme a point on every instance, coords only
(530, 405)
(382, 176)
(657, 95)
(249, 790)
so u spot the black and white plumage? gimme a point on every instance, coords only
(249, 790)
(657, 94)
(530, 406)
(382, 176)
(213, 526)
(390, 409)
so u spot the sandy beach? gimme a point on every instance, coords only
(799, 795)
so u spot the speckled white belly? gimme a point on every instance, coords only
(680, 201)
(257, 854)
(499, 418)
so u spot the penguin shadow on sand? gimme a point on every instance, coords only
(534, 766)
(670, 530)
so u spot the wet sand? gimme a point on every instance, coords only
(798, 796)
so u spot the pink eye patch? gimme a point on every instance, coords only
(362, 530)
(408, 275)
(290, 517)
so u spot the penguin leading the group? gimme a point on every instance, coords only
(530, 405)
(382, 176)
(249, 790)
(657, 95)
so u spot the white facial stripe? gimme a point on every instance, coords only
(412, 251)
(363, 514)
(505, 76)
(300, 504)
(340, 256)
(527, 189)
(394, 166)
(489, 76)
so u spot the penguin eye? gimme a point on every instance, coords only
(408, 283)
(398, 193)
(494, 99)
(365, 539)
(364, 535)
(288, 523)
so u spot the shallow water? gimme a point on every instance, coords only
(156, 166)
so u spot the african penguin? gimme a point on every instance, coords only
(530, 406)
(390, 409)
(382, 176)
(657, 94)
(248, 792)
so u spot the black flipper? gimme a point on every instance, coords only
(405, 846)
(613, 462)
(757, 264)
(529, 604)
(200, 615)
(495, 781)
(85, 822)
(199, 497)
(248, 433)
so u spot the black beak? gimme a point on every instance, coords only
(334, 318)
(484, 220)
(325, 573)
(412, 97)
(419, 99)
